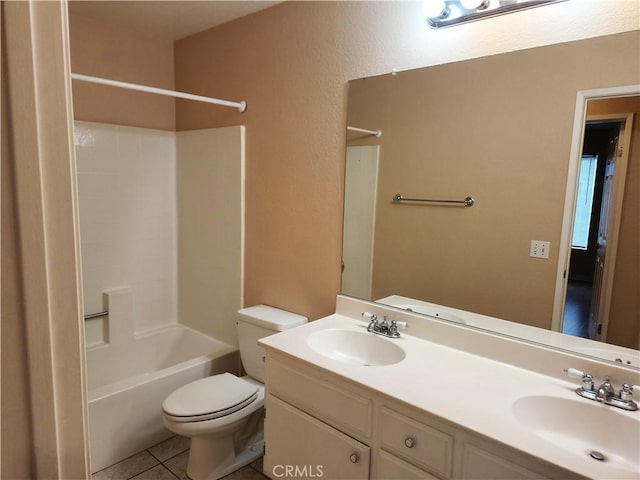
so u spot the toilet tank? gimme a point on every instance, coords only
(255, 323)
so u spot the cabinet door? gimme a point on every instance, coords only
(478, 464)
(392, 468)
(300, 446)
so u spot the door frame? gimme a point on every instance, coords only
(39, 131)
(564, 254)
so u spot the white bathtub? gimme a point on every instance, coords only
(129, 380)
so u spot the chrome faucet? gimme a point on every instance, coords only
(385, 328)
(605, 393)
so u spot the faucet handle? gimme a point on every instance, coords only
(372, 317)
(587, 378)
(626, 392)
(399, 324)
(572, 372)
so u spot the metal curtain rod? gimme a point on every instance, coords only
(467, 202)
(241, 106)
(377, 133)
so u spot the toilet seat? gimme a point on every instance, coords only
(209, 398)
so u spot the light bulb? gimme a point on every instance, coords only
(435, 8)
(475, 4)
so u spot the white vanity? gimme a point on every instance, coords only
(443, 401)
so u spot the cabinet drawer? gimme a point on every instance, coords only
(392, 468)
(323, 399)
(299, 446)
(416, 442)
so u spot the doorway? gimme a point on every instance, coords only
(598, 110)
(593, 200)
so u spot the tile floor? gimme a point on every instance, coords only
(167, 461)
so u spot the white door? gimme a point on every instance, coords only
(595, 313)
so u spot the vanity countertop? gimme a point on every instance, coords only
(470, 390)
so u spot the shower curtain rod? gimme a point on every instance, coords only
(241, 106)
(377, 133)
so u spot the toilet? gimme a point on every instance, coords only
(223, 414)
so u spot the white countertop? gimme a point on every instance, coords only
(469, 390)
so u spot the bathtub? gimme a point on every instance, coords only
(128, 380)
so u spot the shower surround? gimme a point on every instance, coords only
(162, 235)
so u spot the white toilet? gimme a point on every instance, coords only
(223, 414)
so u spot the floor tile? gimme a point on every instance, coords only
(257, 464)
(245, 473)
(127, 468)
(178, 465)
(158, 472)
(170, 448)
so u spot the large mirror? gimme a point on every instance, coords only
(503, 130)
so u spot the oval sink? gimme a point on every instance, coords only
(356, 348)
(583, 427)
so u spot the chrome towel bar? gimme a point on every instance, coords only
(377, 133)
(96, 315)
(467, 202)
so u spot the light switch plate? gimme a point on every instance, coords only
(539, 249)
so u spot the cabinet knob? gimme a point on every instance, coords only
(354, 458)
(409, 442)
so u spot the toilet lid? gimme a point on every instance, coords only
(210, 397)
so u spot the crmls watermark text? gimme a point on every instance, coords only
(298, 471)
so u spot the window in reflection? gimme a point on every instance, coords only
(584, 201)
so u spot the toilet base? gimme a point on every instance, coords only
(207, 464)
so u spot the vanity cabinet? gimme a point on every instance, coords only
(327, 427)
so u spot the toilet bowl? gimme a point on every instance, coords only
(224, 436)
(223, 414)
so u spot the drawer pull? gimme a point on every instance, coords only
(354, 458)
(409, 442)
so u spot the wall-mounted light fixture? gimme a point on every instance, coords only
(445, 13)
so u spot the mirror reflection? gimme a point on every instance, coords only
(499, 129)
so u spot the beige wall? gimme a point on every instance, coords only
(466, 129)
(624, 317)
(109, 51)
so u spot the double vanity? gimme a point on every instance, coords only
(441, 401)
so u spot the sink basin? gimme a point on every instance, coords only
(356, 348)
(582, 427)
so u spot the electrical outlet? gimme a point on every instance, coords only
(539, 249)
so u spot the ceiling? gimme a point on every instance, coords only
(167, 20)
